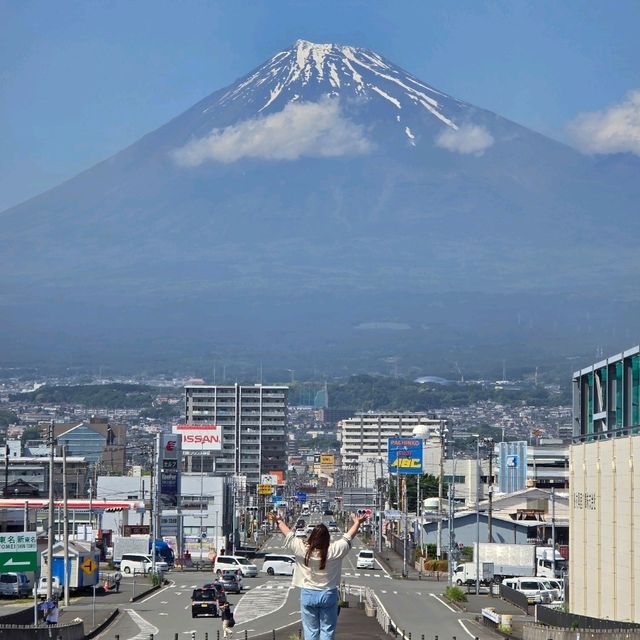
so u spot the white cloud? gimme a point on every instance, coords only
(301, 129)
(468, 138)
(612, 130)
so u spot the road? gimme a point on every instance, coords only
(270, 602)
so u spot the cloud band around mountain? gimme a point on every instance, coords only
(311, 129)
(612, 130)
(466, 139)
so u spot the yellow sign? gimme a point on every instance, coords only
(88, 566)
(264, 490)
(327, 458)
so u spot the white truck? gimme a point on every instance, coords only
(465, 573)
(526, 560)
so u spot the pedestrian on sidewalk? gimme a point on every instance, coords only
(117, 579)
(228, 621)
(317, 574)
(52, 613)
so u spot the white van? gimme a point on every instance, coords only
(235, 563)
(56, 587)
(365, 560)
(14, 585)
(537, 590)
(140, 563)
(277, 564)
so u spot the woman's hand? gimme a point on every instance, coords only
(359, 519)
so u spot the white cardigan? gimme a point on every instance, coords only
(310, 577)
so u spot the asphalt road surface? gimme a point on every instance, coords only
(270, 602)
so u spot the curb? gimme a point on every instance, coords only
(145, 593)
(101, 627)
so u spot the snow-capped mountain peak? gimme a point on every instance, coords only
(308, 72)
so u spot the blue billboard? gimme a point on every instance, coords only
(404, 455)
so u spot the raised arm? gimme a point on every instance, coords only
(282, 525)
(357, 521)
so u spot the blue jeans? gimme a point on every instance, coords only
(319, 611)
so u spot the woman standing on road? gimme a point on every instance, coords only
(228, 621)
(317, 573)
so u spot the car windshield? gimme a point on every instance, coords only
(366, 554)
(243, 561)
(202, 595)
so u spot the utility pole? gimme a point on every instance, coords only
(65, 526)
(490, 442)
(51, 444)
(442, 434)
(154, 503)
(553, 531)
(477, 549)
(404, 533)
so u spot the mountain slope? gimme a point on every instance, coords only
(325, 176)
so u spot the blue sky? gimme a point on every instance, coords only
(81, 80)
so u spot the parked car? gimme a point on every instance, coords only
(140, 563)
(533, 588)
(204, 602)
(235, 563)
(56, 587)
(301, 533)
(278, 564)
(366, 560)
(14, 585)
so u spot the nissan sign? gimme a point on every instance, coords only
(200, 437)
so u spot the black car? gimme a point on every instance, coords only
(204, 602)
(222, 596)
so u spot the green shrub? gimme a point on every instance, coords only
(455, 594)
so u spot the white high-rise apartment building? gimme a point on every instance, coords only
(254, 421)
(364, 440)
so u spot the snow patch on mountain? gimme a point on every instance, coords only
(311, 129)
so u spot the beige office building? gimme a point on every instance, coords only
(604, 481)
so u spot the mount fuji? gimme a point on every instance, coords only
(328, 206)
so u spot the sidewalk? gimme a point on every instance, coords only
(353, 624)
(106, 604)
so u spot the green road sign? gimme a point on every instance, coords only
(18, 551)
(19, 561)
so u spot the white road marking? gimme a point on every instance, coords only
(418, 593)
(171, 585)
(261, 601)
(441, 601)
(465, 628)
(146, 628)
(164, 602)
(163, 614)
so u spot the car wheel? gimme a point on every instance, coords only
(218, 573)
(270, 571)
(126, 570)
(194, 615)
(459, 582)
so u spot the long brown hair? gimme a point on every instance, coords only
(318, 541)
